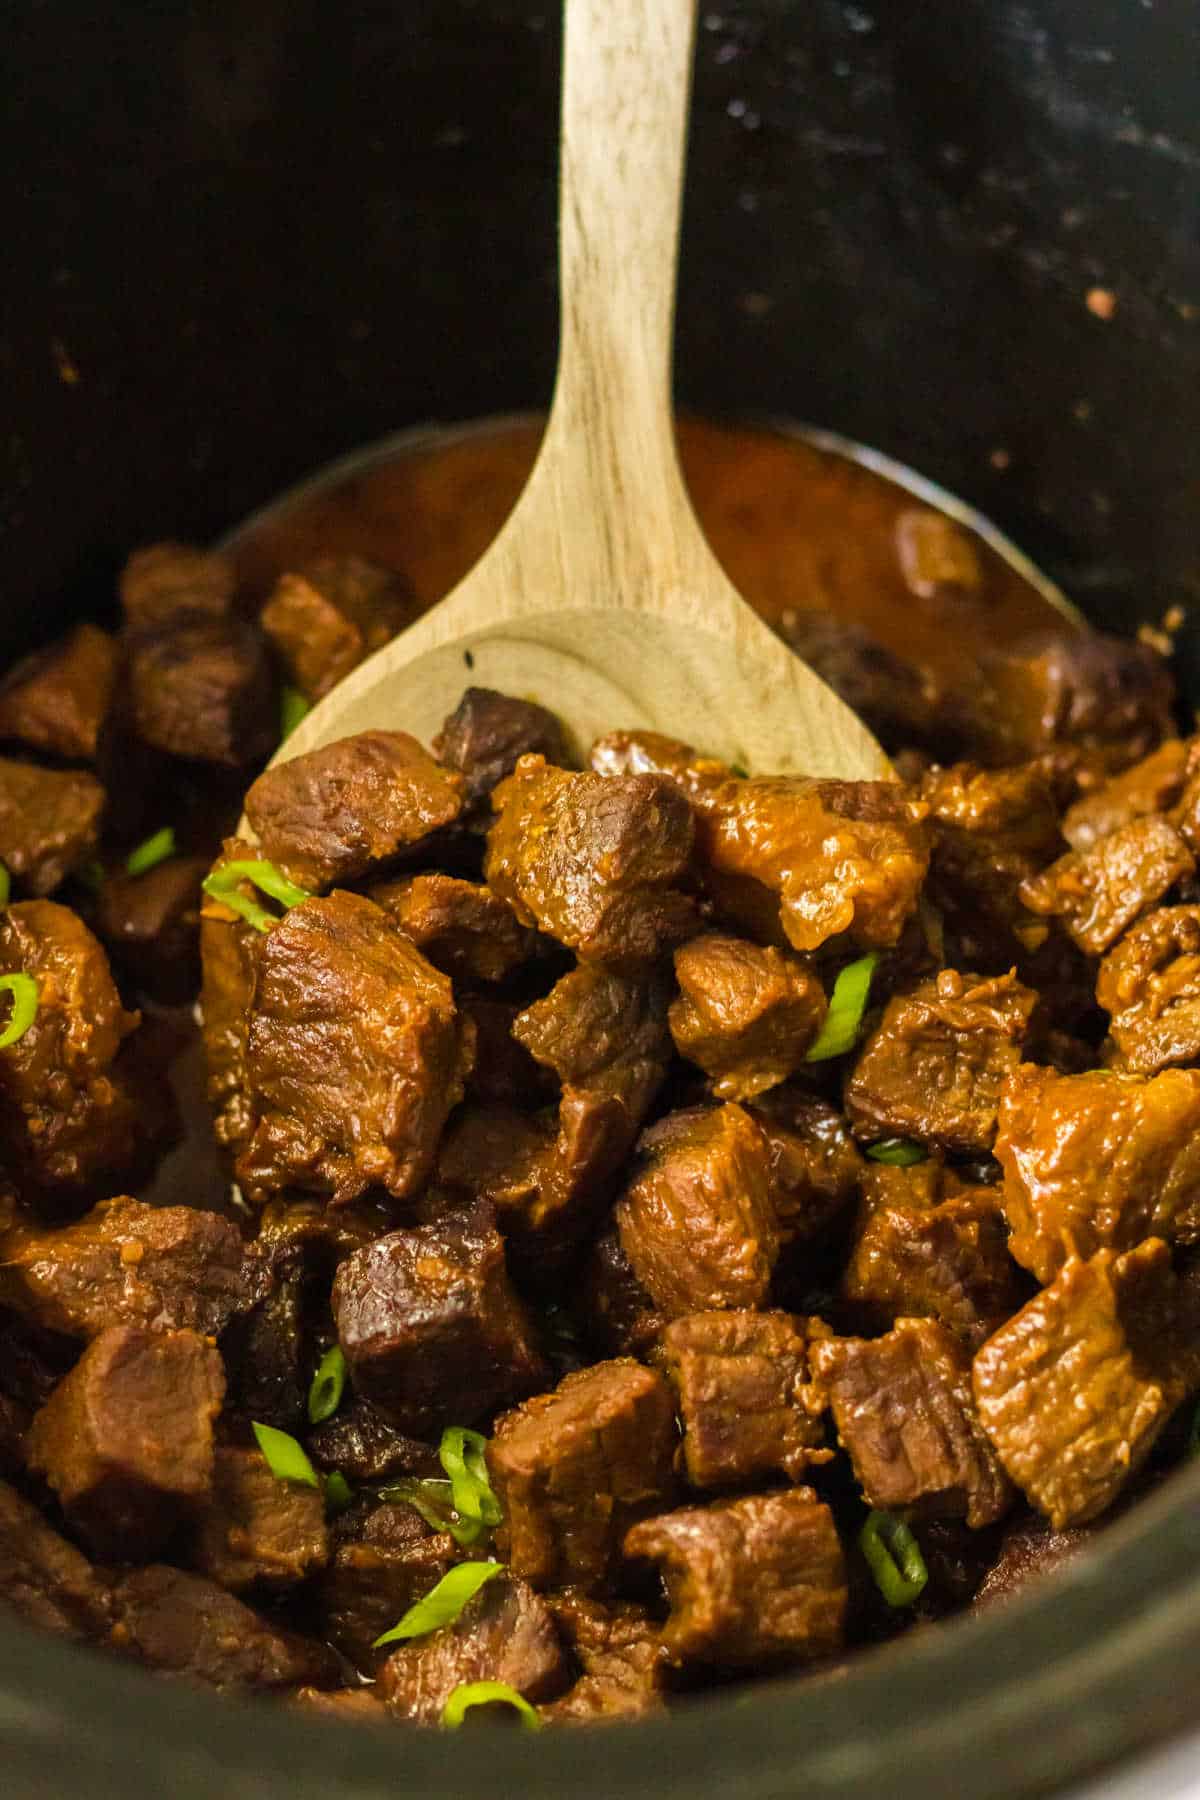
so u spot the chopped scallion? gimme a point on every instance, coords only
(286, 1458)
(847, 1003)
(900, 1153)
(434, 1501)
(292, 708)
(337, 1493)
(5, 885)
(325, 1394)
(148, 855)
(443, 1603)
(894, 1558)
(461, 1454)
(487, 1693)
(25, 991)
(222, 885)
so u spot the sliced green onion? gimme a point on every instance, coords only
(461, 1454)
(487, 1693)
(286, 1458)
(222, 885)
(894, 1558)
(443, 1603)
(847, 1003)
(5, 885)
(433, 1500)
(25, 991)
(738, 769)
(337, 1493)
(156, 849)
(292, 708)
(325, 1394)
(900, 1153)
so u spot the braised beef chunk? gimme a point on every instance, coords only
(45, 1580)
(257, 1530)
(574, 1469)
(58, 700)
(931, 1246)
(344, 811)
(181, 1624)
(150, 924)
(354, 1055)
(1149, 984)
(992, 830)
(1098, 1160)
(360, 1442)
(934, 1067)
(382, 1563)
(697, 1222)
(651, 753)
(201, 687)
(161, 580)
(168, 1268)
(745, 1014)
(488, 733)
(620, 1651)
(1150, 786)
(905, 1416)
(814, 1164)
(432, 1330)
(126, 1439)
(1099, 694)
(1098, 893)
(754, 1581)
(229, 951)
(614, 1310)
(1075, 1389)
(900, 702)
(1028, 1550)
(464, 929)
(743, 1392)
(504, 1634)
(324, 620)
(49, 822)
(266, 1349)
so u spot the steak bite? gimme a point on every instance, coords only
(621, 1654)
(753, 1581)
(1098, 1160)
(463, 929)
(45, 1580)
(432, 1330)
(181, 1624)
(354, 1055)
(904, 1414)
(126, 1439)
(934, 1066)
(1029, 1549)
(161, 580)
(326, 619)
(381, 1565)
(151, 922)
(745, 1014)
(229, 952)
(59, 699)
(814, 1162)
(613, 1309)
(1149, 983)
(49, 822)
(992, 830)
(742, 1387)
(488, 733)
(505, 1633)
(575, 1468)
(201, 687)
(1106, 696)
(1075, 1389)
(900, 702)
(697, 1221)
(345, 810)
(360, 1442)
(1098, 893)
(1150, 786)
(257, 1530)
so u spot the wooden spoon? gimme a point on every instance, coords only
(600, 598)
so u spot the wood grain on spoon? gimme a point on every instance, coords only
(600, 597)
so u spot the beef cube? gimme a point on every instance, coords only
(652, 753)
(1098, 893)
(813, 1161)
(1075, 1389)
(380, 1567)
(201, 687)
(67, 1107)
(504, 1074)
(594, 861)
(360, 1442)
(904, 1414)
(901, 702)
(432, 1329)
(621, 1654)
(1149, 984)
(575, 1468)
(504, 1634)
(354, 1055)
(697, 1222)
(464, 929)
(1103, 695)
(937, 557)
(186, 1625)
(1030, 1549)
(168, 1268)
(488, 733)
(930, 1246)
(126, 1439)
(992, 830)
(267, 1352)
(750, 1582)
(934, 1066)
(58, 700)
(325, 620)
(45, 1580)
(745, 1014)
(257, 1530)
(151, 923)
(161, 580)
(741, 1381)
(229, 952)
(1099, 1160)
(614, 1309)
(1150, 786)
(49, 822)
(345, 810)
(502, 1156)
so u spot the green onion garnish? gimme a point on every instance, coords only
(156, 849)
(432, 1499)
(292, 708)
(286, 1458)
(325, 1394)
(24, 990)
(901, 1153)
(487, 1693)
(461, 1454)
(222, 885)
(894, 1557)
(5, 885)
(337, 1493)
(739, 769)
(847, 1004)
(443, 1603)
